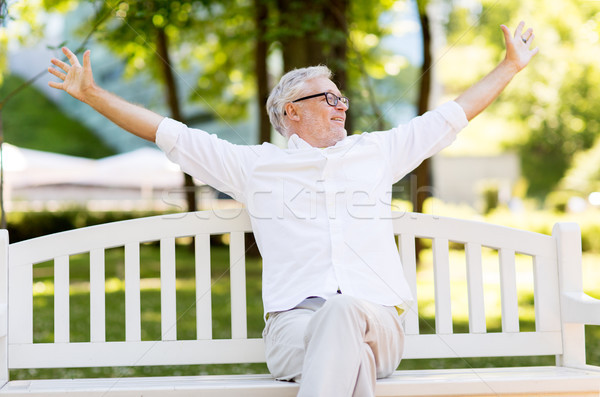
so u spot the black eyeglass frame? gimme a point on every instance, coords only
(336, 99)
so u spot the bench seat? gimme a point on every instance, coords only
(438, 382)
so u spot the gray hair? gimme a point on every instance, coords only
(289, 88)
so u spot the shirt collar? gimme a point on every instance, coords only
(295, 142)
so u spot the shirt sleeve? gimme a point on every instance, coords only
(206, 157)
(407, 145)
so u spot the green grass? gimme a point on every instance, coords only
(186, 314)
(32, 121)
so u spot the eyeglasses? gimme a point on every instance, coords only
(332, 99)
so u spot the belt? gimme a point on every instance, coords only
(398, 309)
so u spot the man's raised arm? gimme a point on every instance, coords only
(476, 98)
(78, 81)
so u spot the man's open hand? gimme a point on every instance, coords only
(77, 80)
(518, 51)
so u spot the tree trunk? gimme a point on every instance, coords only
(162, 47)
(423, 171)
(316, 34)
(262, 76)
(261, 52)
(423, 186)
(337, 16)
(304, 44)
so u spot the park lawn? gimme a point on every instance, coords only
(186, 314)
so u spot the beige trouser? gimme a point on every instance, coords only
(336, 347)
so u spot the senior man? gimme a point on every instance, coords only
(333, 287)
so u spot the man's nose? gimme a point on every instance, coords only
(341, 105)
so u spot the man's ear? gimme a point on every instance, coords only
(290, 111)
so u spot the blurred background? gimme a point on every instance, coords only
(533, 157)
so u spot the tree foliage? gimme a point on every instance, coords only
(584, 175)
(202, 36)
(548, 113)
(23, 22)
(382, 79)
(213, 43)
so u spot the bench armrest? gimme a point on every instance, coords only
(580, 308)
(3, 320)
(3, 290)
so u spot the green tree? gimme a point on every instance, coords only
(584, 175)
(549, 114)
(19, 21)
(342, 34)
(143, 33)
(229, 41)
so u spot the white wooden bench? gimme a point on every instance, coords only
(561, 310)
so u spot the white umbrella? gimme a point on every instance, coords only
(141, 168)
(27, 167)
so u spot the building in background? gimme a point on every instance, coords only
(468, 179)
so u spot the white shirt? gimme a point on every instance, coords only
(321, 217)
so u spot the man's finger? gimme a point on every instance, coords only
(58, 74)
(506, 33)
(519, 29)
(72, 58)
(86, 60)
(531, 37)
(54, 84)
(534, 51)
(60, 64)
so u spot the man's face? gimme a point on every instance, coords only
(314, 120)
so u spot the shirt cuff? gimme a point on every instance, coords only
(454, 114)
(167, 133)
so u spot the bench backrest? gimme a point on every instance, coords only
(422, 341)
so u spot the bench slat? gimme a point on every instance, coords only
(97, 296)
(475, 288)
(514, 381)
(568, 251)
(168, 305)
(237, 271)
(109, 354)
(247, 385)
(508, 288)
(116, 234)
(220, 351)
(545, 279)
(20, 313)
(464, 231)
(493, 344)
(441, 274)
(441, 382)
(406, 247)
(61, 299)
(133, 330)
(203, 287)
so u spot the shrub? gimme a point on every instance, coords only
(26, 225)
